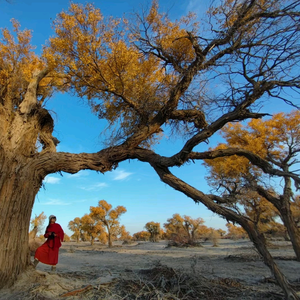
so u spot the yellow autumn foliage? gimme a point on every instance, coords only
(18, 62)
(102, 61)
(274, 140)
(267, 138)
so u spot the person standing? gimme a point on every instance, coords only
(48, 252)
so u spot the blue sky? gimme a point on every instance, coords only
(133, 184)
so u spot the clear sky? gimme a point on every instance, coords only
(133, 184)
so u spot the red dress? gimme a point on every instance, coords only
(48, 252)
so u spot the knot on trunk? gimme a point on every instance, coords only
(46, 126)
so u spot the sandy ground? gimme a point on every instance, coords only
(98, 270)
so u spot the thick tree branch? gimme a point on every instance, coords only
(208, 200)
(30, 99)
(267, 195)
(102, 161)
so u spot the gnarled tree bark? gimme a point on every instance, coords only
(23, 168)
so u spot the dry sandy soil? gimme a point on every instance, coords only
(147, 270)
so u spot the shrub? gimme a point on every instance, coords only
(33, 245)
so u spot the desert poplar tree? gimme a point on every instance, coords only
(37, 224)
(108, 217)
(265, 144)
(154, 230)
(91, 227)
(141, 236)
(184, 228)
(76, 226)
(147, 77)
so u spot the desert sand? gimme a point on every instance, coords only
(145, 270)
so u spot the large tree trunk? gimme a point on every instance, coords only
(21, 127)
(18, 187)
(109, 236)
(23, 168)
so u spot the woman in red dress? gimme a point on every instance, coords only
(48, 252)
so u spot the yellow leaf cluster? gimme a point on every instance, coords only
(104, 213)
(18, 61)
(19, 64)
(271, 137)
(260, 211)
(170, 37)
(267, 138)
(141, 236)
(153, 227)
(235, 232)
(275, 140)
(38, 221)
(91, 226)
(105, 67)
(230, 167)
(184, 226)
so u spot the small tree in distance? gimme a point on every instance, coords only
(124, 235)
(37, 224)
(76, 226)
(91, 227)
(141, 236)
(154, 230)
(235, 232)
(108, 218)
(184, 230)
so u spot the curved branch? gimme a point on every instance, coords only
(252, 157)
(236, 115)
(208, 200)
(148, 155)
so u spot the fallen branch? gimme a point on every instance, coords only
(77, 292)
